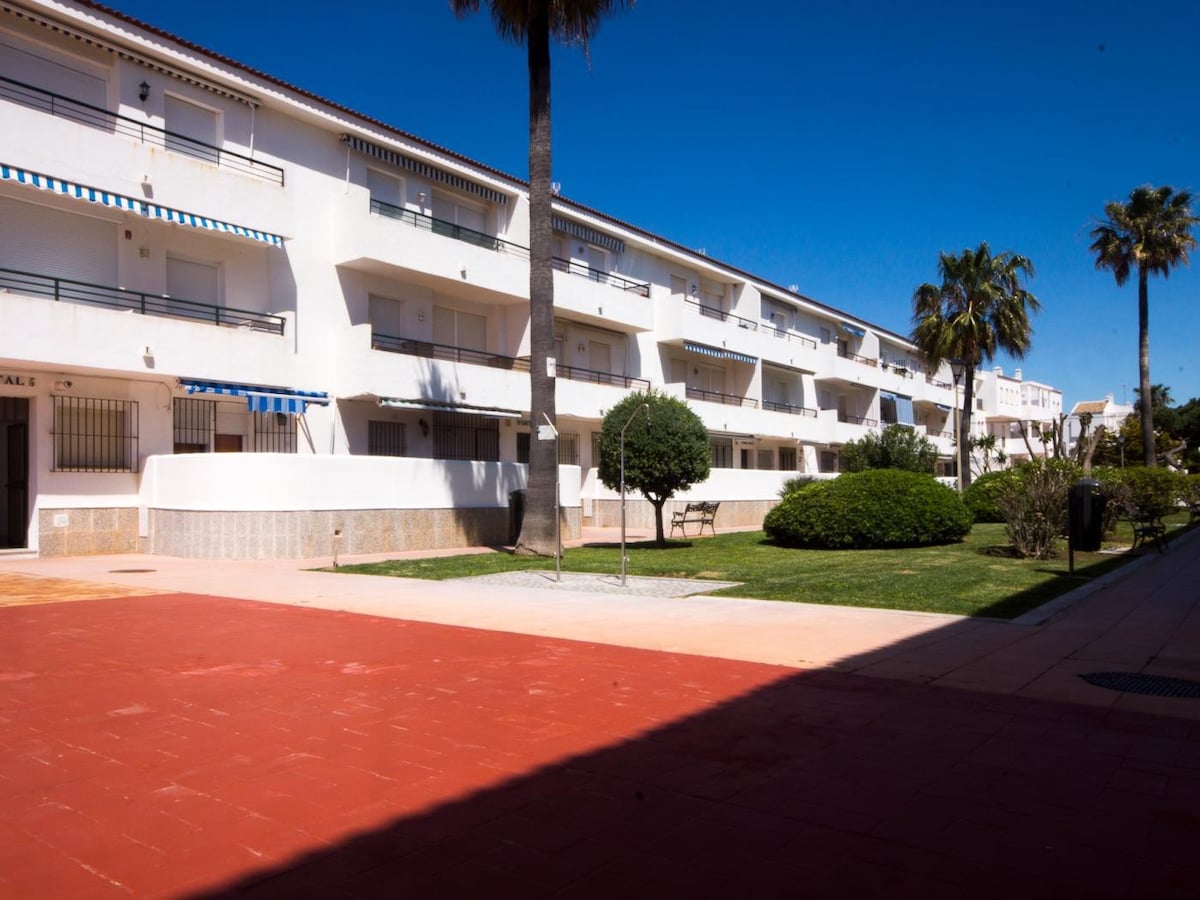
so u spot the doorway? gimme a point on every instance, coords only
(14, 472)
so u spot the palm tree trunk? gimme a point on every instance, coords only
(1144, 366)
(964, 427)
(541, 507)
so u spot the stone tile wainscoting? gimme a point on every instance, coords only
(87, 532)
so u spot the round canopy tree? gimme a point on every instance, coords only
(666, 449)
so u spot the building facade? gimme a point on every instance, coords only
(237, 319)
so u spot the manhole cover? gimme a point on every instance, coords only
(1136, 683)
(129, 571)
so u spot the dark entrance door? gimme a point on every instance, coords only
(14, 419)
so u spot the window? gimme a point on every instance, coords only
(721, 452)
(189, 279)
(568, 449)
(191, 128)
(787, 459)
(459, 212)
(195, 425)
(383, 187)
(465, 436)
(454, 328)
(826, 336)
(766, 459)
(827, 461)
(386, 439)
(274, 432)
(595, 449)
(93, 435)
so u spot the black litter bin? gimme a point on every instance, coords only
(1085, 515)
(516, 514)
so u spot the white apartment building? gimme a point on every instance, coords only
(1106, 413)
(239, 320)
(1021, 414)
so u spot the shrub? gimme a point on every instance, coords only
(1034, 505)
(1116, 495)
(796, 483)
(875, 508)
(1154, 491)
(897, 447)
(981, 496)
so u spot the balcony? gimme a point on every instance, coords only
(430, 350)
(448, 229)
(574, 373)
(599, 276)
(64, 289)
(857, 420)
(59, 106)
(718, 397)
(789, 408)
(866, 361)
(751, 325)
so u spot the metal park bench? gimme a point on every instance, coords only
(1148, 527)
(703, 513)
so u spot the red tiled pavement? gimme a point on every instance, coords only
(185, 745)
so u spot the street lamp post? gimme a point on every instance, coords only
(628, 422)
(1121, 444)
(958, 368)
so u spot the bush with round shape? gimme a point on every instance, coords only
(981, 495)
(874, 508)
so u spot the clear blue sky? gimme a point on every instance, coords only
(836, 146)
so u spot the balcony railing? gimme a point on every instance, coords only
(718, 397)
(788, 408)
(750, 324)
(866, 361)
(574, 373)
(77, 111)
(447, 229)
(857, 420)
(430, 350)
(929, 379)
(600, 276)
(65, 289)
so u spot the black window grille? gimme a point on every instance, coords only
(523, 447)
(568, 449)
(274, 432)
(95, 435)
(195, 425)
(465, 436)
(787, 459)
(595, 449)
(386, 438)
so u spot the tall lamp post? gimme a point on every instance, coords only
(1121, 444)
(628, 422)
(958, 368)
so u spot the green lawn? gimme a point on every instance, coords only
(975, 578)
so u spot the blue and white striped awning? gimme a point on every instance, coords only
(704, 348)
(132, 204)
(719, 353)
(941, 407)
(853, 329)
(441, 176)
(584, 233)
(259, 399)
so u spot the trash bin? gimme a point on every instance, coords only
(1085, 515)
(516, 514)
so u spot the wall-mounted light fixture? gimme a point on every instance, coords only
(695, 290)
(420, 315)
(63, 385)
(421, 198)
(582, 347)
(424, 426)
(143, 91)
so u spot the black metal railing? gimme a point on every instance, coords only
(789, 408)
(572, 267)
(164, 305)
(929, 379)
(430, 350)
(574, 373)
(857, 420)
(750, 324)
(902, 371)
(718, 397)
(866, 361)
(96, 116)
(447, 229)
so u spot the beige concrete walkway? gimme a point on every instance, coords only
(1147, 619)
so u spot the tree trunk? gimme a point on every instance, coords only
(964, 427)
(659, 536)
(1144, 367)
(541, 506)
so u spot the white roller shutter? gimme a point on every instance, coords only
(50, 242)
(188, 280)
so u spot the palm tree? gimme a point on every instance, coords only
(1152, 232)
(979, 308)
(534, 23)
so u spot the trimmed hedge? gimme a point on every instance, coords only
(874, 508)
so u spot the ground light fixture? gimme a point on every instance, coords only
(628, 422)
